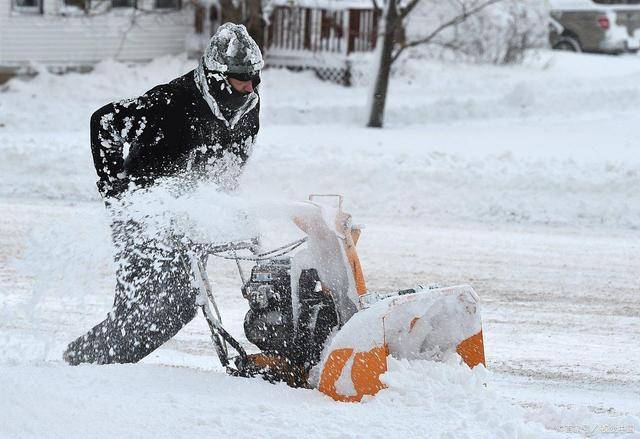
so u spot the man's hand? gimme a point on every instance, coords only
(113, 190)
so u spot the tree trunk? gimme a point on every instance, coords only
(247, 12)
(230, 11)
(255, 23)
(379, 98)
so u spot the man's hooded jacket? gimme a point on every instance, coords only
(194, 127)
(175, 129)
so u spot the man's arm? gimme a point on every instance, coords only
(107, 148)
(118, 133)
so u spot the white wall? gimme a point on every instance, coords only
(63, 36)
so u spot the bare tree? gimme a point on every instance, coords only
(393, 43)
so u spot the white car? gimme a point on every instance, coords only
(600, 26)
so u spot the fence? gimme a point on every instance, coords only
(323, 40)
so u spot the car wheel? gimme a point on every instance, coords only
(568, 44)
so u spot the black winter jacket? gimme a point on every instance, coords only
(169, 131)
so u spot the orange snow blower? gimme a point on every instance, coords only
(314, 320)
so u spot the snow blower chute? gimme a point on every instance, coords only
(314, 320)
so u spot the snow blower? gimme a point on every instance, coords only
(315, 322)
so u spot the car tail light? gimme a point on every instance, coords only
(604, 23)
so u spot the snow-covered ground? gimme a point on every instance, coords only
(522, 181)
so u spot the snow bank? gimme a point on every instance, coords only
(475, 143)
(580, 421)
(547, 142)
(159, 402)
(542, 143)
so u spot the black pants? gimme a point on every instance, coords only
(154, 299)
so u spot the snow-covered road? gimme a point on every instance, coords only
(510, 179)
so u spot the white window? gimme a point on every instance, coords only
(168, 4)
(123, 3)
(28, 6)
(80, 5)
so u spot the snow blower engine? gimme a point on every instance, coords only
(313, 319)
(269, 324)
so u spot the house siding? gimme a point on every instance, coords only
(79, 39)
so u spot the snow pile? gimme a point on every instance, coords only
(64, 102)
(545, 142)
(581, 422)
(456, 400)
(59, 401)
(547, 145)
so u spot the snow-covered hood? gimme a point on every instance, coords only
(201, 82)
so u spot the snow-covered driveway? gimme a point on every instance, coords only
(522, 181)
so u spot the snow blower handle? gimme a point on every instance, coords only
(197, 255)
(339, 197)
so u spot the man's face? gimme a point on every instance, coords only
(245, 87)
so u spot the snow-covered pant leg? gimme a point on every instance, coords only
(154, 300)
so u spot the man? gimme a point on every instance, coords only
(200, 126)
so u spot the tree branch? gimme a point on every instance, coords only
(466, 13)
(407, 9)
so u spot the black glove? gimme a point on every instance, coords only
(110, 190)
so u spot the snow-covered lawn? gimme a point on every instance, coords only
(522, 181)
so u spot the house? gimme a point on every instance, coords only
(332, 37)
(76, 33)
(328, 36)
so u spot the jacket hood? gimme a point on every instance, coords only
(232, 50)
(200, 79)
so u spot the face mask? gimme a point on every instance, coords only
(217, 83)
(227, 96)
(235, 100)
